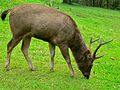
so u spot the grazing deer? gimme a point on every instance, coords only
(55, 27)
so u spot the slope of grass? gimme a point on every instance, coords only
(93, 22)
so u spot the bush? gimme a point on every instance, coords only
(55, 2)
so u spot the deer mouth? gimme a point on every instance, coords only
(87, 76)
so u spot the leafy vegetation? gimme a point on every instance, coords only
(113, 4)
(93, 22)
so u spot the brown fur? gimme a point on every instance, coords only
(50, 25)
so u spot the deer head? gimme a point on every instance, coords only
(88, 58)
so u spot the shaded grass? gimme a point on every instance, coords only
(93, 22)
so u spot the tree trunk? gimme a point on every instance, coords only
(67, 1)
(100, 3)
(107, 3)
(70, 1)
(93, 3)
(78, 1)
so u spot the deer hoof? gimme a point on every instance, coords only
(51, 70)
(32, 69)
(7, 69)
(72, 76)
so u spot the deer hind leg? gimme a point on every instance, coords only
(10, 46)
(65, 53)
(24, 49)
(52, 54)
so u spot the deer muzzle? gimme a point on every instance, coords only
(87, 75)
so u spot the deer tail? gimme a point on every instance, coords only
(4, 14)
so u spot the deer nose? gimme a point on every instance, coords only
(87, 76)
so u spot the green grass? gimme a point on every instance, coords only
(93, 22)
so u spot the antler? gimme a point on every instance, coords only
(101, 43)
(91, 41)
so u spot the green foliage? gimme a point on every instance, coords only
(55, 2)
(93, 22)
(113, 4)
(58, 1)
(10, 3)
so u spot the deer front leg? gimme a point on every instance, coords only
(52, 54)
(65, 53)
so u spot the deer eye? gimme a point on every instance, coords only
(89, 56)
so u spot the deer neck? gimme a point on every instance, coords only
(78, 47)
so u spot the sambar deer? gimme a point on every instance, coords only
(53, 26)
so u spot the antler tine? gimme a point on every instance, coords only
(106, 42)
(101, 43)
(91, 41)
(99, 57)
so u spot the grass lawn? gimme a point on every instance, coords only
(93, 22)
